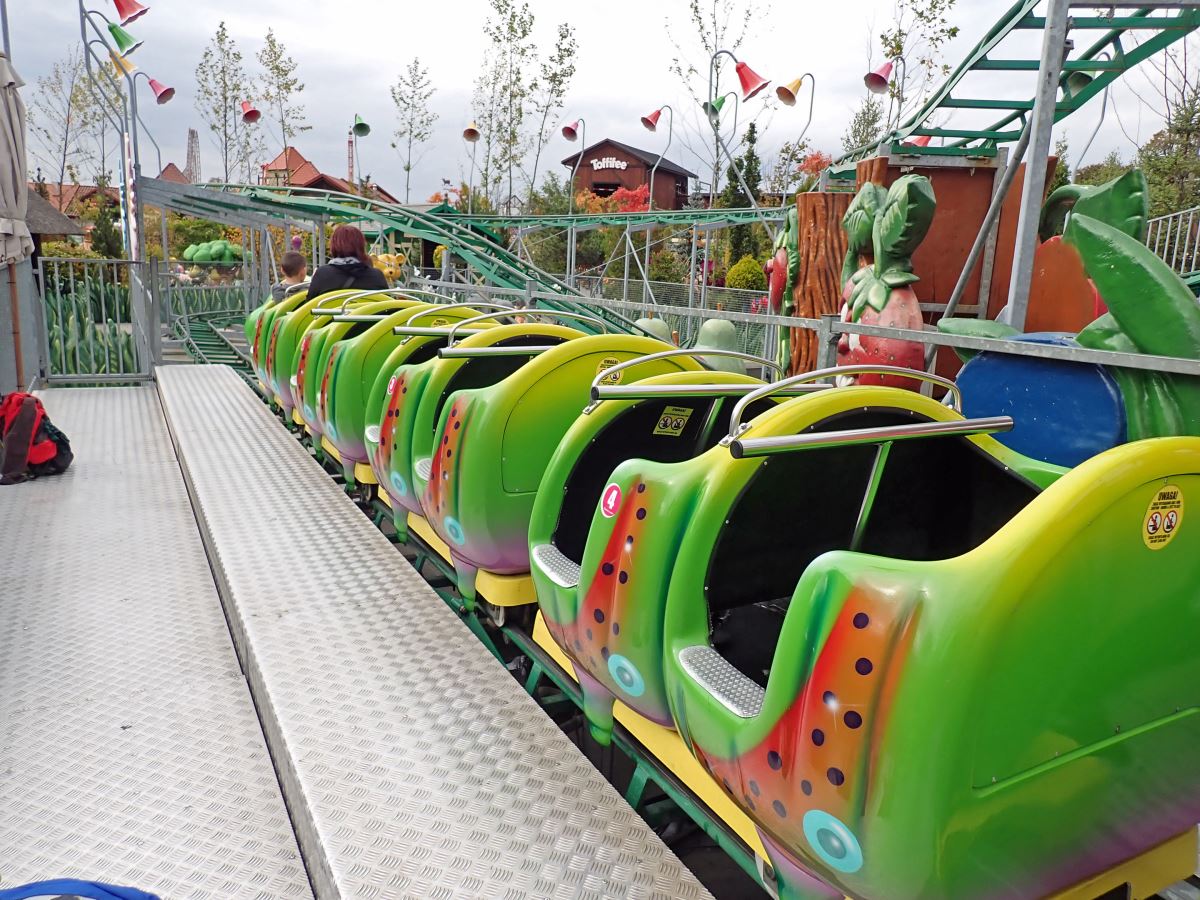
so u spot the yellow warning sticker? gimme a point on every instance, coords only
(1164, 516)
(607, 363)
(673, 420)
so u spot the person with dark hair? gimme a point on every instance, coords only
(350, 267)
(295, 269)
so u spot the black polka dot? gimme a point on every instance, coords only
(749, 802)
(641, 488)
(578, 646)
(616, 627)
(774, 760)
(629, 540)
(828, 698)
(446, 440)
(641, 513)
(806, 786)
(780, 809)
(863, 666)
(457, 425)
(623, 577)
(453, 411)
(852, 719)
(598, 615)
(754, 787)
(605, 652)
(818, 737)
(836, 778)
(449, 453)
(588, 632)
(607, 568)
(861, 620)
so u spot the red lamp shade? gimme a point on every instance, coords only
(750, 80)
(877, 81)
(471, 133)
(571, 130)
(921, 140)
(128, 10)
(162, 93)
(250, 115)
(650, 122)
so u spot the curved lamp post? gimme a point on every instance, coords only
(788, 93)
(650, 123)
(471, 136)
(879, 81)
(574, 131)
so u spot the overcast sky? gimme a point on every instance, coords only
(350, 51)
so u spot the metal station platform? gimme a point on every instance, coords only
(410, 763)
(130, 750)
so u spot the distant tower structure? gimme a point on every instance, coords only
(192, 171)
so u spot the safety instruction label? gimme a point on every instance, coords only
(1164, 516)
(607, 363)
(673, 420)
(439, 323)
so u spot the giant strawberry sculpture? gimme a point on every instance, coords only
(884, 226)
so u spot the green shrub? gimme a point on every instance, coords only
(667, 266)
(746, 275)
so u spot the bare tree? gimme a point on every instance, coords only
(712, 26)
(488, 111)
(98, 101)
(280, 86)
(56, 118)
(221, 85)
(510, 30)
(783, 170)
(549, 91)
(411, 94)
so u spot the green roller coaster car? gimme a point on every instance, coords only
(355, 365)
(321, 342)
(260, 326)
(492, 444)
(407, 421)
(961, 673)
(669, 422)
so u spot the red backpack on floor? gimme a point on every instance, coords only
(30, 445)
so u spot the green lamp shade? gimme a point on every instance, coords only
(126, 42)
(361, 128)
(712, 108)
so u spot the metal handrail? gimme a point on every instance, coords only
(296, 288)
(736, 426)
(669, 354)
(439, 330)
(785, 443)
(390, 292)
(639, 391)
(508, 350)
(551, 313)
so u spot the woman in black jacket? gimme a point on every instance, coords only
(350, 266)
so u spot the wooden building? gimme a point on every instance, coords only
(609, 165)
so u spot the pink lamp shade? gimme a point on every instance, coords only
(250, 115)
(650, 122)
(877, 81)
(471, 133)
(750, 80)
(571, 130)
(128, 10)
(162, 93)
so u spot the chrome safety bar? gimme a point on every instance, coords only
(736, 426)
(597, 382)
(784, 443)
(439, 330)
(549, 313)
(389, 292)
(507, 350)
(639, 391)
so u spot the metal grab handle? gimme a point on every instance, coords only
(390, 292)
(475, 352)
(677, 351)
(735, 418)
(784, 443)
(439, 330)
(296, 288)
(639, 391)
(552, 313)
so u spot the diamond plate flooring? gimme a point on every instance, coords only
(130, 751)
(414, 765)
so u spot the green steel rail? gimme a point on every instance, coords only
(1102, 62)
(637, 220)
(493, 262)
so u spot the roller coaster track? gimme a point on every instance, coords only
(1085, 75)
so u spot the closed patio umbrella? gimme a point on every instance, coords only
(15, 241)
